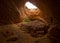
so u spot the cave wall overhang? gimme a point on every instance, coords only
(42, 5)
(12, 10)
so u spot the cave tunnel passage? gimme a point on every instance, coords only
(16, 11)
(41, 11)
(34, 16)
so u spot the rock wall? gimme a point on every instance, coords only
(8, 12)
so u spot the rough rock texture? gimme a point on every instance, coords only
(8, 12)
(54, 34)
(35, 28)
(13, 34)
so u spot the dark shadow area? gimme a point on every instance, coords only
(41, 25)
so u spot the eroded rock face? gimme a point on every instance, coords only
(54, 34)
(35, 28)
(8, 12)
(12, 34)
(9, 34)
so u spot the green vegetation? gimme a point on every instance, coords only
(27, 20)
